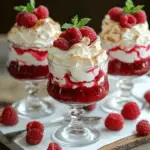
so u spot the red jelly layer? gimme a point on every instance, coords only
(27, 72)
(116, 67)
(82, 94)
(137, 68)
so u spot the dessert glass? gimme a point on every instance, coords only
(129, 52)
(28, 62)
(77, 95)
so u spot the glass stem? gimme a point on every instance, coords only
(32, 88)
(76, 124)
(125, 86)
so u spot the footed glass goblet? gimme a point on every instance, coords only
(64, 87)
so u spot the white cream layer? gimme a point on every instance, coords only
(41, 35)
(25, 59)
(77, 61)
(113, 36)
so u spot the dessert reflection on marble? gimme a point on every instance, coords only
(29, 39)
(77, 77)
(126, 37)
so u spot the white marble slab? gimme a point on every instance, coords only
(107, 137)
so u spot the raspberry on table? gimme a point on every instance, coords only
(140, 16)
(41, 12)
(131, 111)
(9, 116)
(74, 35)
(28, 20)
(61, 43)
(143, 128)
(18, 18)
(115, 13)
(35, 125)
(114, 122)
(147, 96)
(88, 32)
(34, 136)
(127, 21)
(54, 146)
(90, 107)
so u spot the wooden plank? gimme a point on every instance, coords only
(127, 143)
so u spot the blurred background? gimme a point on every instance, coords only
(60, 11)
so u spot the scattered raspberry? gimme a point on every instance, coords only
(130, 111)
(18, 18)
(54, 146)
(115, 13)
(9, 116)
(114, 122)
(127, 21)
(28, 20)
(41, 12)
(143, 128)
(35, 125)
(65, 36)
(34, 136)
(89, 32)
(140, 16)
(61, 43)
(147, 96)
(90, 107)
(73, 35)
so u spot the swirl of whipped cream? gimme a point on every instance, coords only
(113, 35)
(41, 35)
(77, 61)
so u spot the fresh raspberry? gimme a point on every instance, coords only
(90, 107)
(35, 125)
(143, 128)
(65, 35)
(73, 35)
(62, 44)
(140, 16)
(34, 136)
(9, 116)
(54, 146)
(18, 18)
(114, 122)
(127, 21)
(88, 32)
(28, 20)
(147, 96)
(41, 12)
(130, 111)
(115, 13)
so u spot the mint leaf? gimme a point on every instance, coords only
(75, 20)
(32, 3)
(137, 8)
(129, 4)
(83, 22)
(29, 8)
(21, 8)
(67, 25)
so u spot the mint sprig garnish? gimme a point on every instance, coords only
(28, 8)
(130, 8)
(76, 22)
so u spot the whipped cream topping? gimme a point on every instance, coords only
(82, 61)
(131, 44)
(114, 35)
(26, 58)
(41, 35)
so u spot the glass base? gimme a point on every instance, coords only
(114, 103)
(68, 136)
(25, 110)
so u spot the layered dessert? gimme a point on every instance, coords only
(126, 37)
(33, 32)
(77, 66)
